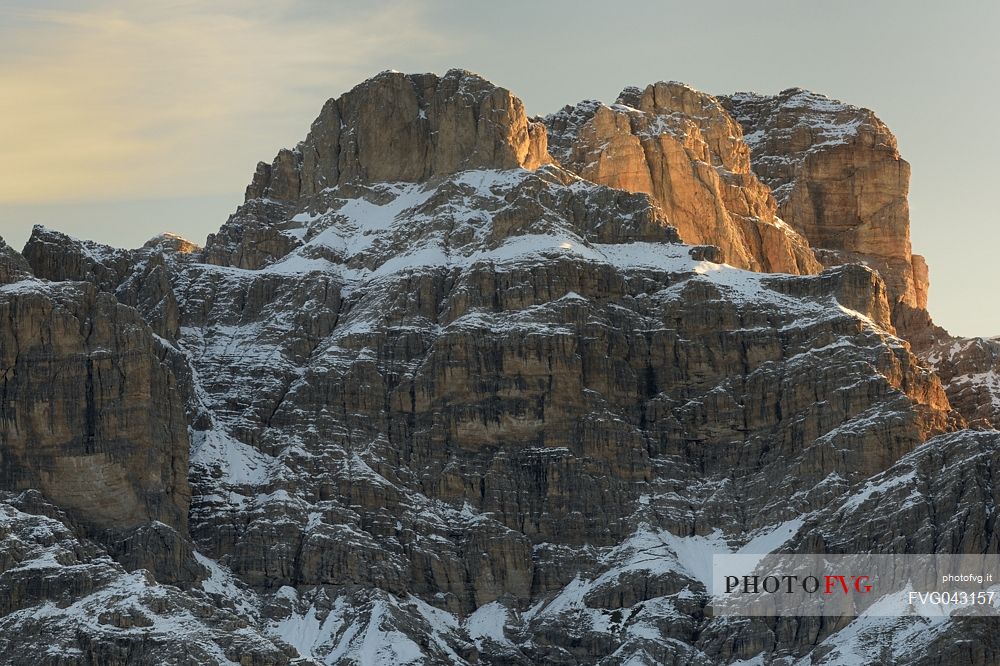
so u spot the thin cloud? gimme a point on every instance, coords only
(170, 97)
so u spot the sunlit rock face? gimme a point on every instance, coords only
(449, 395)
(393, 127)
(682, 148)
(839, 180)
(398, 127)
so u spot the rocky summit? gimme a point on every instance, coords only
(459, 386)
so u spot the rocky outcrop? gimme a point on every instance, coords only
(392, 128)
(940, 498)
(969, 368)
(450, 388)
(398, 127)
(682, 148)
(253, 237)
(13, 266)
(836, 172)
(839, 180)
(64, 600)
(89, 416)
(921, 280)
(450, 403)
(970, 371)
(139, 278)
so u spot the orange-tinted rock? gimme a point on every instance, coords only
(681, 147)
(406, 127)
(839, 180)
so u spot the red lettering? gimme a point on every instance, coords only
(831, 580)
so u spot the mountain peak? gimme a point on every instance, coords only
(397, 127)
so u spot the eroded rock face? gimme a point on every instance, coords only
(681, 147)
(504, 387)
(839, 180)
(89, 415)
(138, 278)
(398, 127)
(970, 370)
(940, 498)
(450, 404)
(95, 611)
(13, 266)
(392, 128)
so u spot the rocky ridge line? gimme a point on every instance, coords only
(682, 148)
(486, 415)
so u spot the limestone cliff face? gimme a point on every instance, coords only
(98, 611)
(681, 147)
(453, 401)
(138, 278)
(398, 127)
(13, 266)
(393, 127)
(89, 415)
(970, 370)
(937, 499)
(483, 393)
(839, 180)
(837, 174)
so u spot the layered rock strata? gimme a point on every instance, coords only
(452, 400)
(970, 370)
(836, 172)
(682, 148)
(392, 128)
(839, 180)
(89, 415)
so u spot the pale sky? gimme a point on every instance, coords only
(120, 120)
